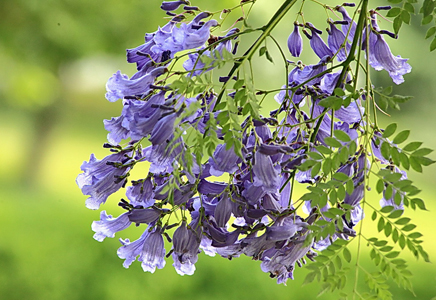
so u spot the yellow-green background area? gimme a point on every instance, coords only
(55, 58)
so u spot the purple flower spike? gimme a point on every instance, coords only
(171, 5)
(108, 226)
(295, 42)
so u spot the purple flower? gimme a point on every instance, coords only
(149, 247)
(284, 229)
(172, 5)
(266, 174)
(281, 263)
(108, 226)
(223, 161)
(120, 86)
(395, 65)
(130, 250)
(223, 210)
(300, 76)
(148, 215)
(116, 131)
(380, 56)
(141, 193)
(318, 45)
(295, 42)
(163, 129)
(187, 36)
(349, 32)
(142, 116)
(153, 252)
(101, 178)
(336, 40)
(186, 243)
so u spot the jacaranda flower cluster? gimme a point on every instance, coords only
(239, 199)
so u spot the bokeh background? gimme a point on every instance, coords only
(55, 58)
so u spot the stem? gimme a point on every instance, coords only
(266, 30)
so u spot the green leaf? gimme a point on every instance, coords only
(332, 142)
(238, 84)
(412, 146)
(352, 147)
(269, 57)
(415, 235)
(431, 31)
(315, 170)
(388, 192)
(409, 227)
(392, 177)
(422, 152)
(414, 163)
(349, 186)
(347, 254)
(331, 102)
(426, 20)
(392, 254)
(419, 203)
(388, 229)
(409, 7)
(386, 248)
(262, 51)
(340, 176)
(380, 186)
(404, 161)
(395, 156)
(315, 155)
(395, 235)
(339, 92)
(433, 45)
(405, 16)
(401, 137)
(387, 209)
(374, 216)
(380, 224)
(342, 136)
(397, 24)
(385, 150)
(402, 221)
(395, 214)
(393, 12)
(324, 150)
(327, 166)
(428, 7)
(309, 277)
(389, 130)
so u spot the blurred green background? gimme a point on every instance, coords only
(55, 58)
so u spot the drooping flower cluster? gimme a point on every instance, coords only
(250, 209)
